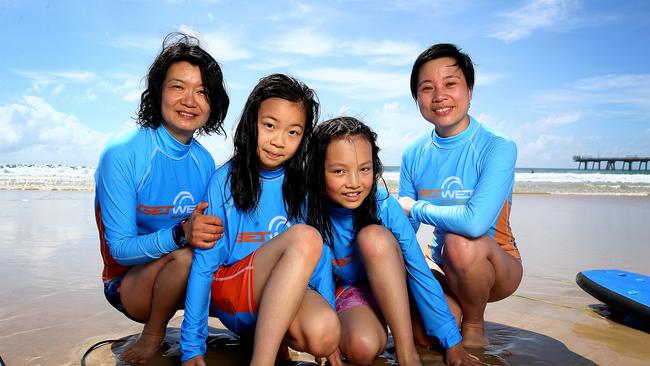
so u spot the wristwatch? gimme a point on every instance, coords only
(179, 235)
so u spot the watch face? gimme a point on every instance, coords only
(183, 241)
(179, 236)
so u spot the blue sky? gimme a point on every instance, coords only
(561, 77)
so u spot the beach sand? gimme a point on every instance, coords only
(52, 307)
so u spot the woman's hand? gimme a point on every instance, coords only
(457, 356)
(407, 204)
(202, 231)
(194, 361)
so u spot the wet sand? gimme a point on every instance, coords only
(52, 307)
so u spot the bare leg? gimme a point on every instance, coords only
(363, 336)
(153, 292)
(282, 270)
(478, 271)
(315, 328)
(384, 265)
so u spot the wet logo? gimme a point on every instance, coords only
(182, 206)
(451, 191)
(276, 226)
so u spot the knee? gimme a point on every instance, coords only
(182, 258)
(459, 251)
(322, 334)
(307, 242)
(361, 349)
(375, 241)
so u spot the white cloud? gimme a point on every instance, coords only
(537, 14)
(601, 92)
(546, 150)
(310, 42)
(360, 83)
(396, 126)
(220, 149)
(484, 78)
(128, 87)
(222, 45)
(297, 10)
(31, 130)
(495, 123)
(58, 89)
(391, 107)
(385, 52)
(43, 79)
(302, 41)
(560, 119)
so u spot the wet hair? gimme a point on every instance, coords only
(463, 61)
(318, 203)
(179, 47)
(244, 176)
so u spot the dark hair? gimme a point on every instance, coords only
(463, 61)
(244, 176)
(179, 47)
(318, 203)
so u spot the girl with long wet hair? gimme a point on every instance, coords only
(266, 278)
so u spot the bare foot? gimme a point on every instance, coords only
(143, 349)
(473, 335)
(413, 359)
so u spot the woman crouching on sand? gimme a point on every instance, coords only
(459, 179)
(147, 185)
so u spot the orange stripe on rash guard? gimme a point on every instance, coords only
(503, 233)
(112, 269)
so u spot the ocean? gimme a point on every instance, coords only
(53, 177)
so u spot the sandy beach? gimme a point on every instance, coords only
(53, 309)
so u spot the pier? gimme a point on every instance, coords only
(610, 163)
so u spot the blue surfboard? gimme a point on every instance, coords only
(626, 292)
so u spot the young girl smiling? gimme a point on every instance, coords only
(375, 250)
(258, 278)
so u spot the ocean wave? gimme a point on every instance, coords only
(559, 181)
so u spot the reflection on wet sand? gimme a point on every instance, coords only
(52, 307)
(511, 346)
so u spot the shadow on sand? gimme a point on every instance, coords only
(509, 346)
(620, 318)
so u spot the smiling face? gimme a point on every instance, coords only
(348, 171)
(443, 96)
(184, 105)
(280, 127)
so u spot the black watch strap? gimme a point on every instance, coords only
(179, 235)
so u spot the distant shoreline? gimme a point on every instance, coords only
(537, 181)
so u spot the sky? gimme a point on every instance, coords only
(560, 77)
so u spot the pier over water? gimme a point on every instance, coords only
(610, 163)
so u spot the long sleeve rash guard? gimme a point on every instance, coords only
(244, 232)
(425, 290)
(146, 182)
(462, 184)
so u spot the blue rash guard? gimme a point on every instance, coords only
(244, 232)
(424, 288)
(146, 182)
(462, 184)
